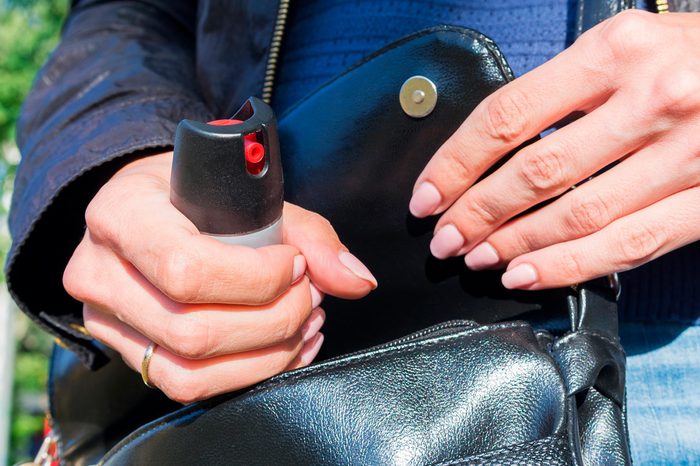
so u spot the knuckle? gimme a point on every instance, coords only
(289, 325)
(319, 220)
(182, 385)
(677, 92)
(75, 280)
(268, 282)
(627, 32)
(188, 336)
(543, 170)
(485, 211)
(640, 243)
(267, 285)
(526, 240)
(293, 318)
(588, 215)
(100, 217)
(570, 267)
(178, 275)
(506, 116)
(97, 223)
(460, 166)
(72, 281)
(276, 363)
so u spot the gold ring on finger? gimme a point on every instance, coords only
(147, 355)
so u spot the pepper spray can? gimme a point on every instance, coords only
(227, 176)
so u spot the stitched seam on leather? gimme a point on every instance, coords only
(464, 32)
(492, 47)
(177, 415)
(518, 447)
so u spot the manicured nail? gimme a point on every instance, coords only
(299, 267)
(311, 349)
(446, 241)
(520, 276)
(358, 268)
(481, 257)
(313, 324)
(316, 296)
(425, 200)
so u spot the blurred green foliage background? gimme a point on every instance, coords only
(29, 30)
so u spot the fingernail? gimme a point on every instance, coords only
(313, 324)
(311, 349)
(481, 257)
(425, 200)
(299, 267)
(520, 276)
(446, 241)
(316, 296)
(357, 267)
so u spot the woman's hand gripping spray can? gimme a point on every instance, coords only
(227, 176)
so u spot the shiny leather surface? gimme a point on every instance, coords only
(600, 424)
(593, 365)
(456, 394)
(430, 400)
(476, 395)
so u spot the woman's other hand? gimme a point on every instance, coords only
(636, 79)
(223, 317)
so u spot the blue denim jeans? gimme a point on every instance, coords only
(663, 392)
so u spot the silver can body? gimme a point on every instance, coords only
(271, 234)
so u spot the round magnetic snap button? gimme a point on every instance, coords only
(418, 96)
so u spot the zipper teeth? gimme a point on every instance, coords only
(275, 46)
(464, 324)
(662, 6)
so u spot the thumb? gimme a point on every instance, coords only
(330, 266)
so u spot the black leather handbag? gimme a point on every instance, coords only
(468, 385)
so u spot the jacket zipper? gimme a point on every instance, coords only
(278, 33)
(275, 45)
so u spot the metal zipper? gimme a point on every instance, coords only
(662, 6)
(275, 45)
(458, 325)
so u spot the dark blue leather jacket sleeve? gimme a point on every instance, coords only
(121, 78)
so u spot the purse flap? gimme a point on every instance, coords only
(353, 155)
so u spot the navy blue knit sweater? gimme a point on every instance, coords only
(325, 37)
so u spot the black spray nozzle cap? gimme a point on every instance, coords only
(219, 180)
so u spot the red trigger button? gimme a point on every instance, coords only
(254, 151)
